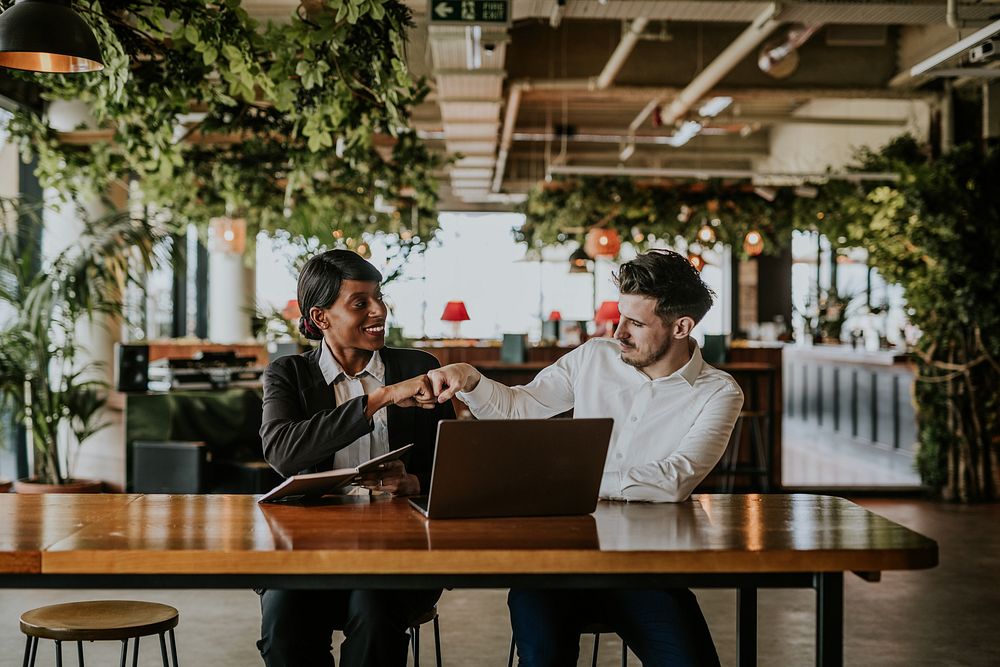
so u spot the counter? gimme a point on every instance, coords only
(852, 394)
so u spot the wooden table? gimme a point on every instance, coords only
(744, 542)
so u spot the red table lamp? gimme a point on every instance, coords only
(455, 312)
(607, 317)
(555, 316)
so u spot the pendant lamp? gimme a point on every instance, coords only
(47, 36)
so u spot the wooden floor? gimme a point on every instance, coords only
(946, 616)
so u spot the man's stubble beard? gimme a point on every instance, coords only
(650, 359)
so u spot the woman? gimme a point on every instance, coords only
(337, 406)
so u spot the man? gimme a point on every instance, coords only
(673, 417)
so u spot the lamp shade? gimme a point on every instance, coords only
(228, 235)
(292, 312)
(454, 311)
(608, 312)
(47, 36)
(602, 243)
(555, 316)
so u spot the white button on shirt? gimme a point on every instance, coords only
(346, 387)
(668, 434)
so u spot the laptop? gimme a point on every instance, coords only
(516, 467)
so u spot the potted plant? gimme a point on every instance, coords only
(43, 378)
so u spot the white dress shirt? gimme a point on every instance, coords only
(668, 434)
(346, 387)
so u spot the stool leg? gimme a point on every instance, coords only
(58, 653)
(173, 648)
(415, 635)
(624, 654)
(510, 656)
(163, 650)
(733, 456)
(597, 638)
(124, 652)
(135, 653)
(27, 651)
(79, 653)
(762, 455)
(437, 641)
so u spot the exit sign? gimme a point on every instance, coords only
(470, 11)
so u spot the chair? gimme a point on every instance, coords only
(596, 629)
(429, 616)
(99, 620)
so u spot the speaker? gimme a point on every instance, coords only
(168, 466)
(132, 367)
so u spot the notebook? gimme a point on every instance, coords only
(317, 484)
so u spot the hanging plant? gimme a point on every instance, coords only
(299, 125)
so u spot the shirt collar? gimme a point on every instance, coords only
(691, 370)
(333, 371)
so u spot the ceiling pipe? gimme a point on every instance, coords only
(652, 172)
(621, 53)
(507, 135)
(762, 26)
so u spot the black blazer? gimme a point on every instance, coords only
(303, 427)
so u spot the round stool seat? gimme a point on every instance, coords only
(98, 620)
(425, 617)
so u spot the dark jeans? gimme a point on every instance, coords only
(662, 627)
(297, 626)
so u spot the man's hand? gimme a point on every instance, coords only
(451, 379)
(415, 392)
(392, 478)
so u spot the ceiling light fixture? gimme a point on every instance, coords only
(955, 49)
(47, 36)
(685, 133)
(473, 47)
(714, 106)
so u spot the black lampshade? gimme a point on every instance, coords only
(47, 36)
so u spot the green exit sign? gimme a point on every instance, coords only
(470, 11)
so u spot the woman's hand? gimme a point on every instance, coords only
(392, 478)
(415, 392)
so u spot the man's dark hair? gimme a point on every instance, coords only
(669, 278)
(320, 280)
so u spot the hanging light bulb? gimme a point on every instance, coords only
(706, 234)
(753, 243)
(579, 261)
(697, 261)
(602, 243)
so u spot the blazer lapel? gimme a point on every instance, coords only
(317, 395)
(401, 422)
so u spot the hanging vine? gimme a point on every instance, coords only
(298, 126)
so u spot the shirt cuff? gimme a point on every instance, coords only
(611, 485)
(478, 397)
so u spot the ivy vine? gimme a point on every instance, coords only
(300, 126)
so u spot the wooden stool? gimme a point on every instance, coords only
(96, 621)
(595, 629)
(429, 616)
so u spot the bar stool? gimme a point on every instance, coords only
(757, 420)
(596, 629)
(429, 616)
(99, 620)
(756, 417)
